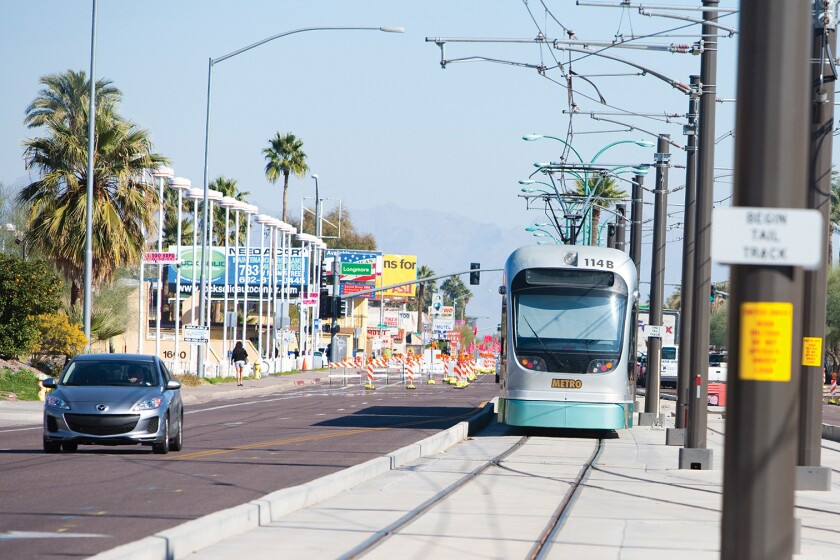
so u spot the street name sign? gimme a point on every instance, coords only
(158, 257)
(768, 236)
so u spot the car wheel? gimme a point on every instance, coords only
(51, 446)
(69, 447)
(177, 442)
(162, 448)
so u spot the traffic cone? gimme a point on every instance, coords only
(303, 365)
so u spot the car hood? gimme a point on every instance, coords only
(106, 395)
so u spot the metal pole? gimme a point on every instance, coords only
(697, 407)
(88, 298)
(193, 302)
(203, 278)
(247, 275)
(819, 187)
(208, 255)
(236, 276)
(140, 310)
(771, 171)
(317, 209)
(621, 227)
(687, 282)
(160, 269)
(335, 310)
(225, 296)
(177, 356)
(636, 210)
(657, 278)
(262, 283)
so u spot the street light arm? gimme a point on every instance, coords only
(301, 30)
(633, 127)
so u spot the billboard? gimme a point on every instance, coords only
(396, 269)
(357, 270)
(234, 270)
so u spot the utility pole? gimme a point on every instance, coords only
(336, 303)
(621, 227)
(636, 223)
(765, 321)
(662, 157)
(676, 435)
(695, 455)
(809, 474)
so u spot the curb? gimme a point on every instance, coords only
(192, 536)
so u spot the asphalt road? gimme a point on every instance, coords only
(75, 505)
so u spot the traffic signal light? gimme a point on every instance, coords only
(325, 276)
(340, 306)
(324, 302)
(474, 275)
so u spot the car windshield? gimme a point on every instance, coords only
(717, 359)
(585, 321)
(669, 353)
(110, 373)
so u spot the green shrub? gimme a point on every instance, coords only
(27, 289)
(22, 383)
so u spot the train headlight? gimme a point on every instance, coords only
(602, 365)
(571, 258)
(536, 364)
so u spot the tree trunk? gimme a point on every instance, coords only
(420, 289)
(596, 217)
(74, 293)
(285, 194)
(830, 244)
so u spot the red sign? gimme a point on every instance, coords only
(453, 336)
(156, 257)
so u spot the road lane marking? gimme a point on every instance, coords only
(13, 535)
(302, 439)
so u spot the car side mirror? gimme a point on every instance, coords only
(172, 385)
(49, 383)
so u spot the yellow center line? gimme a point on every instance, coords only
(301, 439)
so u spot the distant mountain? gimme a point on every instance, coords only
(446, 242)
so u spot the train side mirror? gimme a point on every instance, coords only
(636, 295)
(502, 290)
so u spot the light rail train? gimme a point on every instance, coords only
(567, 338)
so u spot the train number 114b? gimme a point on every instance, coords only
(600, 263)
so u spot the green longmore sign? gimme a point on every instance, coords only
(356, 268)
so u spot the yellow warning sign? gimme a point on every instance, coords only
(766, 340)
(811, 351)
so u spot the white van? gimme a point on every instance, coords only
(717, 367)
(669, 362)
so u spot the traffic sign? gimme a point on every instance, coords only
(768, 236)
(160, 257)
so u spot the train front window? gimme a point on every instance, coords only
(568, 329)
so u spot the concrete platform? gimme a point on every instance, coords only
(636, 503)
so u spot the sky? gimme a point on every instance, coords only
(382, 123)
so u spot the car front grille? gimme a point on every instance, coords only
(154, 424)
(102, 425)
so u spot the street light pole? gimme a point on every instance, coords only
(771, 173)
(317, 208)
(695, 454)
(210, 63)
(88, 299)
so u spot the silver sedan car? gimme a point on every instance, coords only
(113, 399)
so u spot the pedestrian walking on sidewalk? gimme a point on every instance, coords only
(239, 357)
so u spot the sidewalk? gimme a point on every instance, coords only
(636, 503)
(29, 413)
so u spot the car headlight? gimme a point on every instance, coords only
(148, 404)
(56, 402)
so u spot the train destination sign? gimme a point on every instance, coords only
(768, 236)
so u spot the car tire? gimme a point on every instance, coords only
(162, 448)
(176, 443)
(51, 446)
(69, 447)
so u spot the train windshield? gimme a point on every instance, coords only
(571, 322)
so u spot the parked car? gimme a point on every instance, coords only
(113, 399)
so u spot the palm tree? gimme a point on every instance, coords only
(605, 189)
(454, 289)
(284, 156)
(227, 187)
(423, 272)
(124, 204)
(66, 99)
(675, 299)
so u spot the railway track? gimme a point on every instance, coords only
(543, 541)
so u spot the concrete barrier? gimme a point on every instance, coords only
(187, 538)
